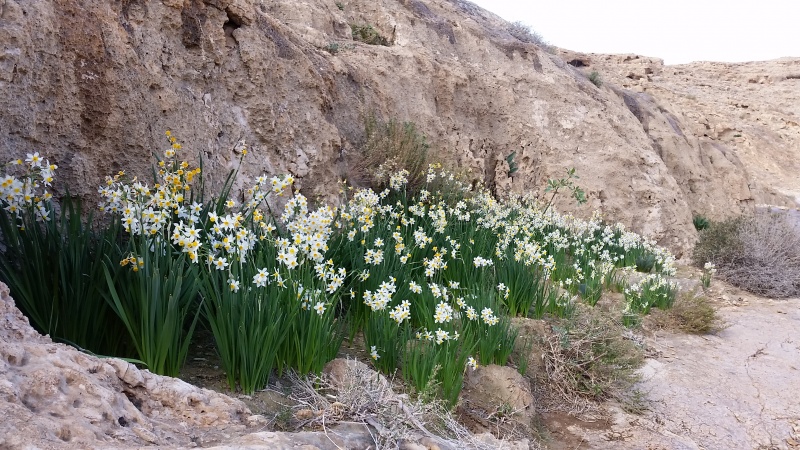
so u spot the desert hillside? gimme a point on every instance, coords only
(94, 85)
(748, 111)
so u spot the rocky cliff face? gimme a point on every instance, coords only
(739, 123)
(52, 396)
(94, 84)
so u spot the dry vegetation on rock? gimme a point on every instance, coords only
(759, 254)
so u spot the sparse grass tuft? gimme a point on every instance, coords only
(390, 147)
(695, 315)
(525, 34)
(692, 314)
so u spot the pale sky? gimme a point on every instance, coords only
(679, 31)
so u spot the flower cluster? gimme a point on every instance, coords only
(29, 192)
(401, 312)
(709, 269)
(380, 299)
(164, 208)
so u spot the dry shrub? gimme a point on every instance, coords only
(588, 358)
(759, 254)
(690, 313)
(390, 147)
(362, 395)
(525, 34)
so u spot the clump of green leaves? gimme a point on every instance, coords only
(594, 77)
(368, 35)
(154, 303)
(700, 222)
(512, 165)
(645, 263)
(332, 48)
(340, 5)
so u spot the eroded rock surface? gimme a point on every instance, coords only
(52, 396)
(94, 84)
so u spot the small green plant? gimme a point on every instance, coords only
(555, 185)
(340, 5)
(368, 35)
(700, 222)
(436, 364)
(737, 135)
(512, 165)
(594, 77)
(154, 302)
(645, 263)
(522, 356)
(332, 48)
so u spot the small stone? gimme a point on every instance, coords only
(257, 420)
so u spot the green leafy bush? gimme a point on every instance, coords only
(368, 35)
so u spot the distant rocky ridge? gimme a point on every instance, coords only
(94, 85)
(748, 112)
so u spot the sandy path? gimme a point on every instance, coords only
(738, 389)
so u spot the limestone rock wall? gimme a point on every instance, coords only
(94, 85)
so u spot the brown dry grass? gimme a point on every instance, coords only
(588, 358)
(363, 396)
(389, 147)
(692, 314)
